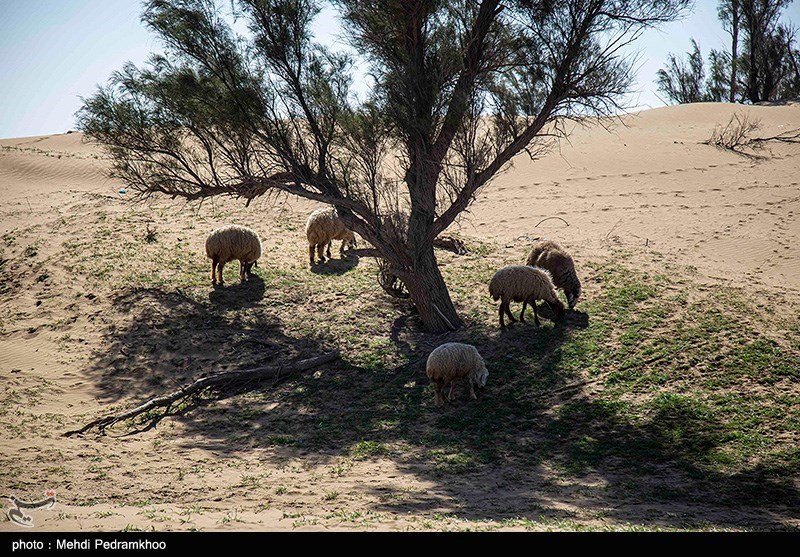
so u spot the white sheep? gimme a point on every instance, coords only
(452, 361)
(520, 283)
(322, 227)
(550, 256)
(233, 242)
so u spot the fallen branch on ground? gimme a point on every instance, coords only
(737, 135)
(227, 380)
(450, 244)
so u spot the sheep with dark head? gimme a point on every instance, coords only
(452, 361)
(322, 227)
(552, 257)
(233, 242)
(520, 283)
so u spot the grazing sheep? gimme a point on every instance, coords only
(550, 256)
(233, 242)
(520, 283)
(452, 361)
(322, 227)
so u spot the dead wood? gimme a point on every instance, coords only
(450, 244)
(218, 382)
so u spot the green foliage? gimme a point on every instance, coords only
(763, 64)
(455, 93)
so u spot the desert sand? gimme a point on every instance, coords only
(72, 326)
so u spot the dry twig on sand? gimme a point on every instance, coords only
(219, 383)
(736, 135)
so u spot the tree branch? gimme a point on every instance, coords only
(459, 100)
(216, 381)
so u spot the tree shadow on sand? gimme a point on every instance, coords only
(172, 338)
(535, 441)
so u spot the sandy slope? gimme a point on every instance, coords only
(648, 186)
(651, 185)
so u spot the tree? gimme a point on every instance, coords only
(765, 48)
(683, 82)
(767, 70)
(458, 89)
(730, 14)
(718, 84)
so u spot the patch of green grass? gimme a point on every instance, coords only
(448, 462)
(249, 480)
(281, 440)
(368, 449)
(646, 373)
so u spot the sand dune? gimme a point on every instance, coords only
(651, 185)
(648, 183)
(648, 188)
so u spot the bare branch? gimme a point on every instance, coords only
(212, 383)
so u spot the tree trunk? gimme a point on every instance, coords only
(429, 292)
(734, 45)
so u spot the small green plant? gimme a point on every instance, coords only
(150, 235)
(331, 495)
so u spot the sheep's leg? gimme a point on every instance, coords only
(328, 247)
(508, 312)
(220, 267)
(522, 313)
(320, 252)
(241, 270)
(535, 314)
(471, 389)
(502, 323)
(214, 263)
(438, 387)
(452, 388)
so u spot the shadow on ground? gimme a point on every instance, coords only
(172, 338)
(338, 266)
(535, 443)
(238, 295)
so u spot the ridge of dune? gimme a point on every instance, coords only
(643, 181)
